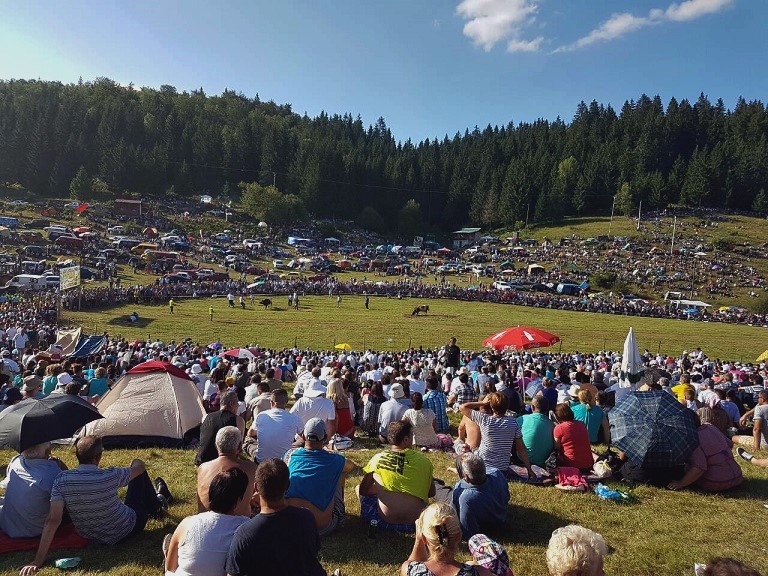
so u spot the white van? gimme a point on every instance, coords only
(28, 282)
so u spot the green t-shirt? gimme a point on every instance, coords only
(406, 471)
(537, 437)
(592, 418)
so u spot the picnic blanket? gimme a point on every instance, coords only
(66, 537)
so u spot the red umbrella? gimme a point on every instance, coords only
(521, 338)
(239, 353)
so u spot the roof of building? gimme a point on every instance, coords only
(467, 231)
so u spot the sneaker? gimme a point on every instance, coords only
(744, 454)
(162, 490)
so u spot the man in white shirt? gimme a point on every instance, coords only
(314, 405)
(273, 431)
(303, 381)
(416, 383)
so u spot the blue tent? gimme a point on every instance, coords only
(89, 345)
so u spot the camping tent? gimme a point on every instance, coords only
(536, 269)
(154, 404)
(89, 345)
(67, 340)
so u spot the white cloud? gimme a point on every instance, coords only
(619, 25)
(525, 45)
(491, 21)
(692, 9)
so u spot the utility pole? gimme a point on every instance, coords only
(610, 224)
(639, 214)
(674, 229)
(527, 213)
(274, 179)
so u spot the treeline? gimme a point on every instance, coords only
(155, 142)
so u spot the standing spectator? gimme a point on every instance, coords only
(452, 356)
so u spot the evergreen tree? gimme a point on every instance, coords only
(760, 204)
(80, 186)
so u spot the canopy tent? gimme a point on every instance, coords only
(155, 404)
(67, 340)
(536, 269)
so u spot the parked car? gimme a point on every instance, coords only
(501, 285)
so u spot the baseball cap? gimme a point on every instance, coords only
(490, 554)
(314, 429)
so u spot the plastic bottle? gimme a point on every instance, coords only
(373, 528)
(67, 563)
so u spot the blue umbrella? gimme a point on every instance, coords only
(653, 429)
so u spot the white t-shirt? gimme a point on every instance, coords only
(318, 407)
(417, 385)
(275, 430)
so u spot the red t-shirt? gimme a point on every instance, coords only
(574, 438)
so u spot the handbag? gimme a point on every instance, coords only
(339, 442)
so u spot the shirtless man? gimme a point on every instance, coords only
(229, 443)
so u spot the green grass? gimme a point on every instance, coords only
(661, 533)
(320, 324)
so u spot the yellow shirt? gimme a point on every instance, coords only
(680, 389)
(406, 471)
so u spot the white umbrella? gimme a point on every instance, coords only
(632, 368)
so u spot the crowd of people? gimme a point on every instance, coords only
(269, 474)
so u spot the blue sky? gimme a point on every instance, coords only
(428, 67)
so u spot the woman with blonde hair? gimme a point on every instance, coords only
(344, 410)
(50, 381)
(438, 535)
(593, 416)
(576, 551)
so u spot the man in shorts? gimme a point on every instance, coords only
(397, 484)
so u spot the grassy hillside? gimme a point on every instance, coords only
(388, 325)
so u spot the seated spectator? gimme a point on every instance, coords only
(537, 429)
(480, 497)
(435, 400)
(99, 384)
(713, 413)
(314, 404)
(759, 414)
(730, 403)
(30, 477)
(259, 403)
(423, 422)
(728, 567)
(200, 543)
(272, 433)
(690, 401)
(711, 467)
(226, 415)
(462, 390)
(397, 482)
(317, 478)
(229, 444)
(499, 433)
(549, 391)
(572, 444)
(345, 424)
(489, 554)
(576, 551)
(373, 397)
(259, 545)
(436, 545)
(593, 417)
(11, 397)
(392, 410)
(90, 496)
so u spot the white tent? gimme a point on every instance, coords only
(154, 403)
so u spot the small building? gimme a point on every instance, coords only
(465, 237)
(206, 199)
(128, 207)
